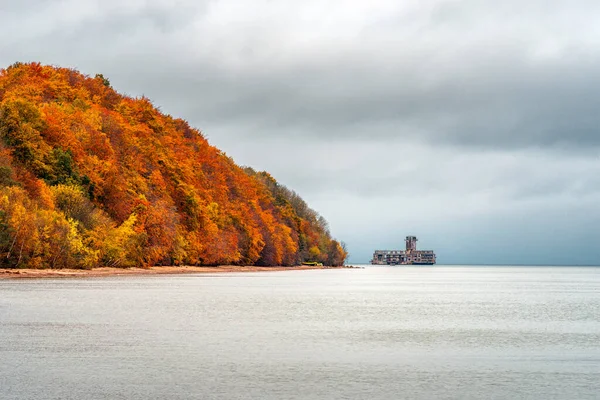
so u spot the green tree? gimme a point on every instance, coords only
(104, 80)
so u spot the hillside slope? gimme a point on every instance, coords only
(89, 178)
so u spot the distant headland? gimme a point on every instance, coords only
(91, 178)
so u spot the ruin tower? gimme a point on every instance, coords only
(411, 243)
(410, 256)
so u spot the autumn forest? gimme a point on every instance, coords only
(90, 178)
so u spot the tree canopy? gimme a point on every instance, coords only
(89, 177)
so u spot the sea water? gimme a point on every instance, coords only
(441, 332)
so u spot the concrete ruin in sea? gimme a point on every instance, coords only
(410, 256)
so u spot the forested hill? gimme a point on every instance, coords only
(89, 177)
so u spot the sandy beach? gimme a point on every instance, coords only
(6, 273)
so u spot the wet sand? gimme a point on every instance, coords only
(106, 271)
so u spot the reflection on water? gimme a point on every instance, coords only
(373, 333)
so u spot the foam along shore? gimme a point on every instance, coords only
(7, 273)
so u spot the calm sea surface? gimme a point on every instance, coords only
(373, 333)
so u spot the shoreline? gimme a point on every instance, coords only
(25, 273)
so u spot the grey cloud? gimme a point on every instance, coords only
(371, 169)
(489, 92)
(512, 106)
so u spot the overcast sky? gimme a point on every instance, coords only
(471, 124)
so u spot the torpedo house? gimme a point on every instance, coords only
(410, 256)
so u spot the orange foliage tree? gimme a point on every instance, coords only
(89, 177)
